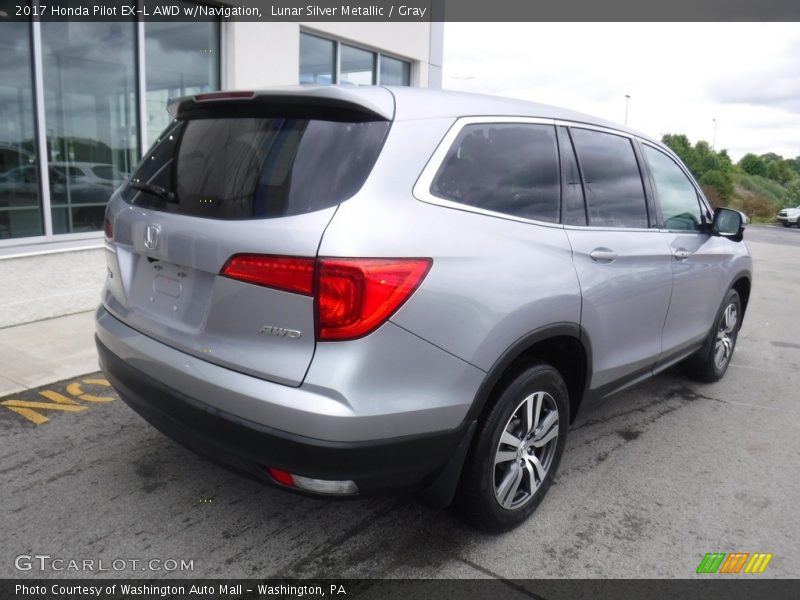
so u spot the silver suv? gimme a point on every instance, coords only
(350, 290)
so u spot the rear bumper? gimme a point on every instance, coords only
(375, 465)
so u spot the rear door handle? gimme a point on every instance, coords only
(681, 254)
(603, 255)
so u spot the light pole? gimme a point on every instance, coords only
(714, 139)
(627, 101)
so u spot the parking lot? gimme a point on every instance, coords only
(651, 480)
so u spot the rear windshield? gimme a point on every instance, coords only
(255, 167)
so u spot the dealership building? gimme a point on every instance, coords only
(81, 101)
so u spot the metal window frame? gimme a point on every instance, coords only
(378, 53)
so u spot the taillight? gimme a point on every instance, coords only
(357, 295)
(108, 229)
(354, 296)
(287, 273)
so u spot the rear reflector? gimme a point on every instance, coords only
(224, 96)
(283, 477)
(354, 296)
(287, 273)
(309, 484)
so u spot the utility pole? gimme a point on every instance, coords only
(627, 101)
(714, 139)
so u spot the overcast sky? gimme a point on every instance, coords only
(680, 76)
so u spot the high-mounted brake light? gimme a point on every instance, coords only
(224, 96)
(287, 273)
(354, 296)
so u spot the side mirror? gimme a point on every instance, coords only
(728, 223)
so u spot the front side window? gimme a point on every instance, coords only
(505, 168)
(612, 180)
(676, 194)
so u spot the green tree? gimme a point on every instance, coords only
(721, 181)
(793, 193)
(753, 165)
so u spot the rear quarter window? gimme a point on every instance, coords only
(505, 168)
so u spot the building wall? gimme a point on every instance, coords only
(50, 285)
(257, 58)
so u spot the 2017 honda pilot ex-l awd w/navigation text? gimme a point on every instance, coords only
(344, 290)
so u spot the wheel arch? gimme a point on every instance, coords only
(565, 346)
(742, 284)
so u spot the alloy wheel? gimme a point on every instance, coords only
(723, 347)
(525, 451)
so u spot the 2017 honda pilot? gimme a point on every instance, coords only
(349, 290)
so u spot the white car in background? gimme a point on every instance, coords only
(790, 216)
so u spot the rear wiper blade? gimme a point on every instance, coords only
(155, 190)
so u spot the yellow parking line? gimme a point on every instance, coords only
(59, 402)
(75, 390)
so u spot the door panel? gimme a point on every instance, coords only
(697, 287)
(625, 299)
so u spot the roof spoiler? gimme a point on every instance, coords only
(361, 103)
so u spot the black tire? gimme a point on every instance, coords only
(482, 482)
(705, 364)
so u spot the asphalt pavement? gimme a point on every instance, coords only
(651, 481)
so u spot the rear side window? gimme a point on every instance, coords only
(253, 167)
(612, 180)
(505, 168)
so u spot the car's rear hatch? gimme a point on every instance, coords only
(238, 174)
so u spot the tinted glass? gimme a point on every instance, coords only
(676, 194)
(182, 58)
(573, 207)
(613, 184)
(90, 109)
(395, 72)
(317, 60)
(20, 205)
(251, 167)
(511, 169)
(358, 66)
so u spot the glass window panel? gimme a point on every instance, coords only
(511, 169)
(395, 72)
(181, 59)
(20, 202)
(573, 207)
(676, 194)
(90, 110)
(358, 66)
(317, 60)
(613, 183)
